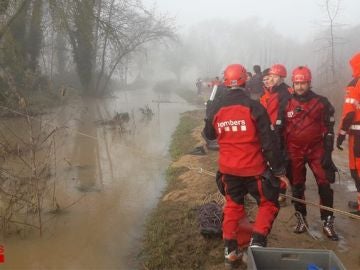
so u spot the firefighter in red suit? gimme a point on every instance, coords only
(277, 92)
(308, 127)
(280, 92)
(266, 86)
(247, 142)
(350, 124)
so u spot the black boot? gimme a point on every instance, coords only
(232, 254)
(328, 228)
(258, 240)
(301, 225)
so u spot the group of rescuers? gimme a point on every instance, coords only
(265, 144)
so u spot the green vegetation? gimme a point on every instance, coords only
(190, 96)
(166, 87)
(181, 140)
(172, 239)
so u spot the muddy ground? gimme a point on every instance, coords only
(173, 240)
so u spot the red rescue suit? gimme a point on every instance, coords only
(307, 124)
(264, 99)
(272, 100)
(247, 142)
(350, 122)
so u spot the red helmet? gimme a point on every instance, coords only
(279, 70)
(301, 74)
(235, 75)
(355, 65)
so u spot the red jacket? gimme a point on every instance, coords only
(264, 99)
(307, 119)
(273, 98)
(242, 129)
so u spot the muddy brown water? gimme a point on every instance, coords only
(107, 179)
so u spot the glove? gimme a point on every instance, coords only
(329, 166)
(330, 172)
(271, 179)
(326, 161)
(270, 185)
(339, 140)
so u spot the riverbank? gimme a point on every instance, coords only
(172, 239)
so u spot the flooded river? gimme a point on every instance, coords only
(107, 181)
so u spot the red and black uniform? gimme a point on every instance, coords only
(247, 142)
(350, 122)
(272, 100)
(264, 99)
(308, 129)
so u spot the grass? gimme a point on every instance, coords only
(172, 239)
(182, 142)
(190, 96)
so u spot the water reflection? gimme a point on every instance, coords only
(114, 177)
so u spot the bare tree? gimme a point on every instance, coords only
(132, 27)
(10, 11)
(25, 187)
(176, 59)
(109, 29)
(329, 41)
(35, 36)
(332, 10)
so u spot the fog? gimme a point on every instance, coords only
(213, 34)
(88, 97)
(298, 20)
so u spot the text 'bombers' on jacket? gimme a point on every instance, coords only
(243, 131)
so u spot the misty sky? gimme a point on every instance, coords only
(293, 18)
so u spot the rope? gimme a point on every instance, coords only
(334, 210)
(298, 215)
(201, 170)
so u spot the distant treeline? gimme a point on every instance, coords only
(47, 41)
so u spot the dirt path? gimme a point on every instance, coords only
(193, 188)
